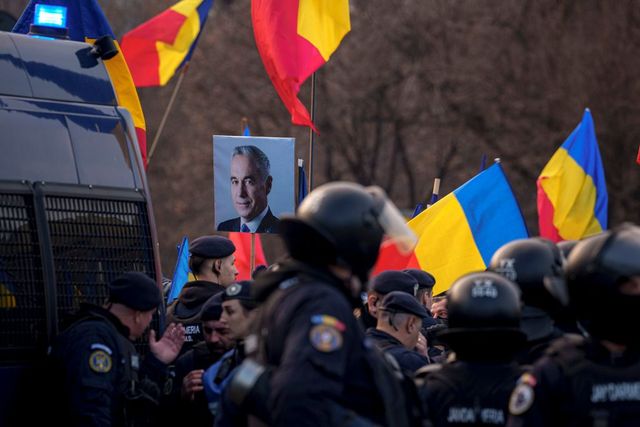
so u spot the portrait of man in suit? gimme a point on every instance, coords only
(251, 183)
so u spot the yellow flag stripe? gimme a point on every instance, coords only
(573, 195)
(172, 55)
(123, 86)
(324, 23)
(446, 247)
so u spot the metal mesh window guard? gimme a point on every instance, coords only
(93, 240)
(22, 307)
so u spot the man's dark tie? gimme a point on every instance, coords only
(245, 229)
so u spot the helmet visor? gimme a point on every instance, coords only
(396, 228)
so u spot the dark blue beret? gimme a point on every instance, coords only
(241, 291)
(135, 290)
(401, 302)
(212, 247)
(212, 309)
(425, 280)
(392, 280)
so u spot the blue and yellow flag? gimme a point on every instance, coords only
(460, 233)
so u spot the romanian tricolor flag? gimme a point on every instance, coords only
(572, 193)
(86, 23)
(163, 44)
(461, 232)
(294, 39)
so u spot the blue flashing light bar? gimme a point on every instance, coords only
(50, 16)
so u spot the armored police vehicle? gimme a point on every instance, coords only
(75, 210)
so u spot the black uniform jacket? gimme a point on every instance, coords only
(309, 337)
(579, 383)
(409, 360)
(101, 379)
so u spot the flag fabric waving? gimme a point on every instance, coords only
(461, 232)
(294, 39)
(87, 23)
(572, 192)
(242, 241)
(181, 271)
(391, 258)
(160, 46)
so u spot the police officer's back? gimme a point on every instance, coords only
(101, 378)
(535, 265)
(592, 381)
(314, 366)
(474, 385)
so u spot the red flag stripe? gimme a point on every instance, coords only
(139, 46)
(545, 216)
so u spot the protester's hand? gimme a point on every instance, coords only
(439, 309)
(192, 384)
(421, 346)
(168, 347)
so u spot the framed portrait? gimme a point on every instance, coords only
(253, 182)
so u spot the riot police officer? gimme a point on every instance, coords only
(535, 265)
(474, 385)
(102, 378)
(311, 365)
(593, 380)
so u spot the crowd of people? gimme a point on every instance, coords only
(545, 337)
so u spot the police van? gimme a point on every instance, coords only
(75, 209)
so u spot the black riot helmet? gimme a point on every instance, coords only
(484, 317)
(535, 265)
(601, 272)
(343, 224)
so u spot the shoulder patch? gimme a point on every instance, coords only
(100, 362)
(523, 395)
(325, 338)
(323, 319)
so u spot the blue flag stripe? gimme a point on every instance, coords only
(181, 271)
(582, 146)
(491, 210)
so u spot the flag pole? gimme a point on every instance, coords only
(252, 258)
(244, 122)
(312, 136)
(435, 192)
(176, 88)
